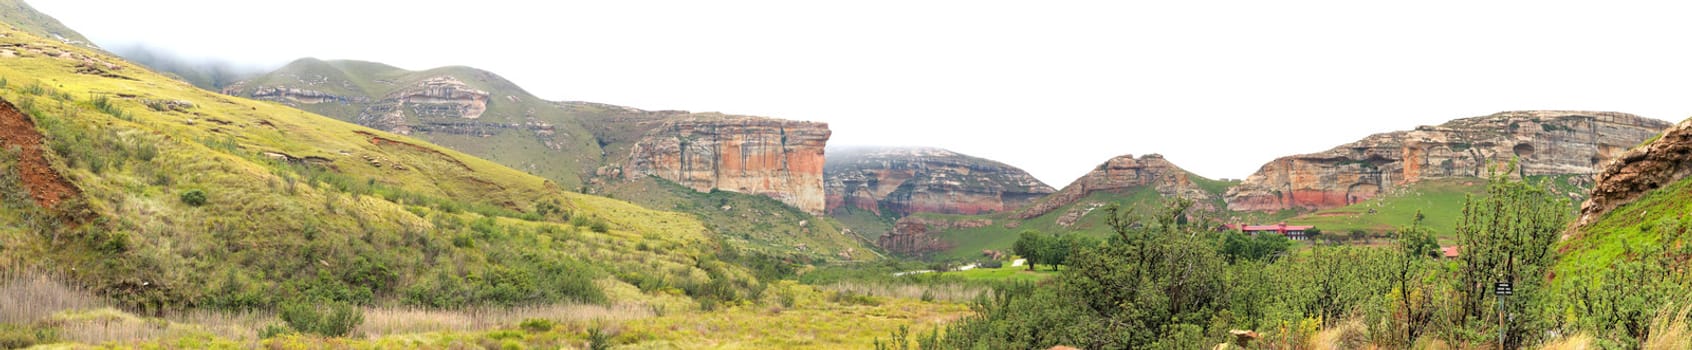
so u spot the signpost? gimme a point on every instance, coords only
(1500, 290)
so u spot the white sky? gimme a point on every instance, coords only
(1218, 87)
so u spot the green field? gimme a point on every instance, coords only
(1006, 273)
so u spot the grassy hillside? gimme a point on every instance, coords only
(25, 18)
(1440, 201)
(1653, 223)
(184, 197)
(498, 134)
(1087, 219)
(759, 224)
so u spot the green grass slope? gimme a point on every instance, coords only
(499, 134)
(758, 224)
(1440, 201)
(297, 205)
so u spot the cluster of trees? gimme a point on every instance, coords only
(1050, 249)
(1159, 283)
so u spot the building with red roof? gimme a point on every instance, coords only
(1294, 232)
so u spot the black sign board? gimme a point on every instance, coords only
(1502, 288)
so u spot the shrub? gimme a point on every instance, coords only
(598, 339)
(537, 325)
(333, 320)
(194, 197)
(18, 337)
(599, 226)
(272, 330)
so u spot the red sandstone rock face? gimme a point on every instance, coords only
(925, 180)
(1125, 172)
(1639, 171)
(781, 159)
(1546, 142)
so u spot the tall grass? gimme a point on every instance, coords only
(77, 315)
(380, 322)
(28, 297)
(1670, 329)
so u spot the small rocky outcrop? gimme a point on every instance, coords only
(296, 96)
(925, 180)
(781, 159)
(1546, 142)
(1122, 173)
(914, 235)
(1639, 171)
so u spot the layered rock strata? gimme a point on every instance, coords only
(925, 180)
(781, 159)
(1545, 142)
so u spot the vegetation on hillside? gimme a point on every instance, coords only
(1160, 283)
(187, 198)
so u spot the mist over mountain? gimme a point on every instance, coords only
(206, 73)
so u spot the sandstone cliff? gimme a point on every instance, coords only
(1124, 173)
(781, 159)
(1546, 142)
(925, 180)
(1638, 171)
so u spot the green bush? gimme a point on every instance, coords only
(272, 330)
(537, 325)
(598, 339)
(333, 319)
(14, 336)
(194, 197)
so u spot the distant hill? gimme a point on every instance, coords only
(207, 74)
(25, 18)
(868, 188)
(1145, 182)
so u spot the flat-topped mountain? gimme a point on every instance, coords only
(1546, 142)
(906, 180)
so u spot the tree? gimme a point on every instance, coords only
(1414, 298)
(1507, 236)
(1032, 246)
(1239, 246)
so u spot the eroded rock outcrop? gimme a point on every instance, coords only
(781, 159)
(925, 180)
(1123, 173)
(1546, 142)
(1639, 171)
(435, 98)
